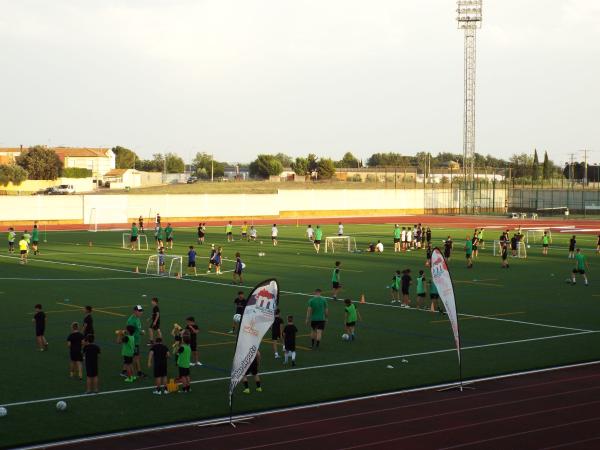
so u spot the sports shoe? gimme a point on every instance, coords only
(157, 392)
(123, 374)
(293, 363)
(129, 380)
(246, 391)
(198, 364)
(277, 356)
(258, 389)
(192, 364)
(230, 332)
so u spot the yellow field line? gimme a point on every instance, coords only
(490, 315)
(95, 309)
(115, 307)
(266, 341)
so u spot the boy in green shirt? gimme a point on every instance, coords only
(580, 266)
(335, 280)
(545, 243)
(134, 236)
(127, 341)
(318, 238)
(135, 322)
(395, 287)
(169, 235)
(184, 355)
(351, 316)
(11, 240)
(35, 239)
(397, 242)
(420, 288)
(469, 252)
(229, 231)
(317, 312)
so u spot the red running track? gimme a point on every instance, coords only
(556, 409)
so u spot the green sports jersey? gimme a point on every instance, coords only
(432, 288)
(27, 237)
(135, 322)
(318, 305)
(229, 228)
(545, 239)
(318, 234)
(35, 235)
(184, 356)
(580, 260)
(169, 232)
(396, 282)
(134, 231)
(397, 233)
(420, 285)
(480, 235)
(127, 346)
(159, 233)
(469, 247)
(335, 276)
(351, 313)
(11, 236)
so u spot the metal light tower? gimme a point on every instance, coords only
(469, 20)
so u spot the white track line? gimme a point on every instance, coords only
(321, 366)
(76, 279)
(216, 283)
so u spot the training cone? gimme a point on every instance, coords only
(90, 243)
(362, 298)
(136, 270)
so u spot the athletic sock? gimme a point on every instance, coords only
(293, 356)
(258, 384)
(318, 342)
(312, 342)
(246, 384)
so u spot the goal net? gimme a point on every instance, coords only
(536, 235)
(93, 222)
(172, 267)
(340, 244)
(142, 241)
(521, 249)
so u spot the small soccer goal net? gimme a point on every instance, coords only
(536, 235)
(521, 251)
(141, 243)
(340, 244)
(172, 265)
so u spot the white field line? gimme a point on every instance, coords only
(252, 415)
(321, 366)
(216, 283)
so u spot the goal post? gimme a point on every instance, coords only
(142, 241)
(537, 235)
(340, 243)
(173, 265)
(521, 249)
(93, 221)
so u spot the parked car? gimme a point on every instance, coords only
(64, 189)
(192, 180)
(47, 191)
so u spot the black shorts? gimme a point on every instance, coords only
(474, 248)
(350, 324)
(127, 359)
(76, 356)
(35, 242)
(136, 350)
(191, 263)
(290, 346)
(160, 370)
(336, 284)
(229, 233)
(422, 295)
(253, 369)
(571, 249)
(133, 238)
(170, 239)
(446, 254)
(317, 241)
(91, 369)
(23, 252)
(273, 238)
(239, 311)
(184, 371)
(11, 244)
(544, 245)
(200, 234)
(434, 296)
(405, 291)
(155, 327)
(244, 235)
(317, 324)
(468, 255)
(581, 271)
(237, 272)
(193, 346)
(275, 336)
(396, 240)
(39, 331)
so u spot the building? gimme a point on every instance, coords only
(131, 178)
(99, 160)
(8, 155)
(376, 174)
(236, 172)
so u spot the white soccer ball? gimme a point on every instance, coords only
(260, 242)
(3, 411)
(61, 406)
(345, 337)
(243, 265)
(237, 318)
(529, 246)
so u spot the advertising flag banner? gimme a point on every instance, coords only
(443, 282)
(258, 317)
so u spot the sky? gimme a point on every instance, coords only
(238, 78)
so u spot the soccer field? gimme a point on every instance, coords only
(522, 318)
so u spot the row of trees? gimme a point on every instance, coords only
(128, 159)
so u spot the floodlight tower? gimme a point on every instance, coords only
(469, 20)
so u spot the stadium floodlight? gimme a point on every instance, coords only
(469, 19)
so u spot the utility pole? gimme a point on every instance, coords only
(585, 172)
(571, 171)
(212, 167)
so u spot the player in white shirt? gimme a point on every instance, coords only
(403, 238)
(409, 238)
(379, 247)
(274, 233)
(310, 233)
(340, 229)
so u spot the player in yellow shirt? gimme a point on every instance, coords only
(244, 231)
(24, 248)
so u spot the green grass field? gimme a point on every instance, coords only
(522, 318)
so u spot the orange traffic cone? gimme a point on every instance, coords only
(362, 298)
(137, 269)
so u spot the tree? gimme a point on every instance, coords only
(535, 168)
(300, 166)
(546, 169)
(125, 158)
(203, 163)
(521, 165)
(311, 161)
(264, 166)
(348, 161)
(40, 163)
(174, 163)
(386, 159)
(12, 173)
(325, 168)
(285, 160)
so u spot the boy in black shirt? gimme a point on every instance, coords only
(39, 318)
(572, 244)
(193, 330)
(240, 304)
(88, 322)
(91, 352)
(154, 322)
(405, 284)
(74, 341)
(276, 332)
(160, 354)
(448, 248)
(289, 340)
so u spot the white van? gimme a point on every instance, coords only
(64, 189)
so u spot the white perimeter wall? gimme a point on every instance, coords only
(121, 208)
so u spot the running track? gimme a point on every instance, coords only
(556, 409)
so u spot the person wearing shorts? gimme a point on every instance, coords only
(201, 234)
(405, 282)
(154, 322)
(12, 236)
(580, 266)
(169, 235)
(318, 238)
(134, 237)
(39, 319)
(23, 249)
(127, 341)
(245, 231)
(184, 354)
(448, 244)
(317, 313)
(193, 330)
(192, 260)
(504, 253)
(469, 252)
(351, 316)
(335, 280)
(289, 340)
(229, 231)
(434, 297)
(157, 358)
(420, 288)
(395, 287)
(90, 354)
(253, 370)
(274, 234)
(74, 341)
(238, 269)
(545, 243)
(397, 243)
(276, 332)
(572, 245)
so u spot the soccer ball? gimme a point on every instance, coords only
(529, 246)
(61, 406)
(243, 265)
(3, 411)
(260, 242)
(237, 318)
(345, 337)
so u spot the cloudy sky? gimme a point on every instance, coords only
(239, 77)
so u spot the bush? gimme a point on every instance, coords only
(356, 178)
(76, 172)
(12, 174)
(371, 178)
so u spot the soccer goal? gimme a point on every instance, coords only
(340, 243)
(93, 222)
(173, 265)
(521, 249)
(536, 235)
(142, 241)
